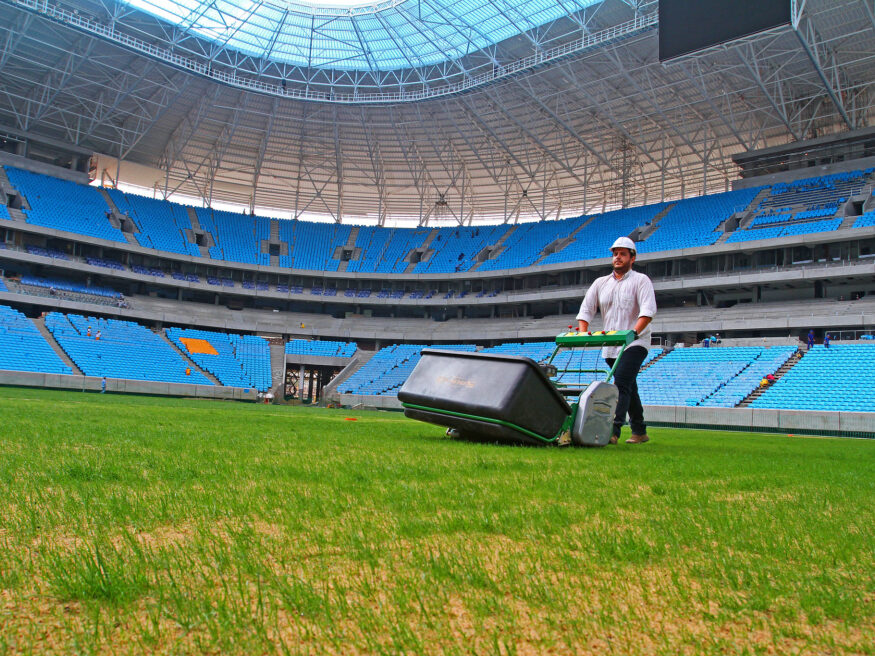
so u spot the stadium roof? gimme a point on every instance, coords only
(559, 118)
(394, 34)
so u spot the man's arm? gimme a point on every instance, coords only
(641, 324)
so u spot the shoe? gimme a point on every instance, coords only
(637, 439)
(613, 439)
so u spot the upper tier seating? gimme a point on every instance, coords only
(456, 248)
(312, 245)
(162, 224)
(64, 205)
(838, 378)
(800, 207)
(866, 220)
(323, 348)
(392, 258)
(124, 350)
(372, 241)
(695, 221)
(826, 189)
(384, 250)
(715, 377)
(4, 213)
(238, 237)
(236, 360)
(523, 246)
(771, 232)
(595, 238)
(22, 348)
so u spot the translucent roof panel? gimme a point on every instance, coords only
(387, 36)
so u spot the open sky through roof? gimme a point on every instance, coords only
(396, 34)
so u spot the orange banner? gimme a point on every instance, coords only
(198, 346)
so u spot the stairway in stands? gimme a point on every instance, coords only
(188, 361)
(425, 245)
(359, 359)
(196, 227)
(783, 369)
(656, 359)
(497, 248)
(350, 244)
(277, 367)
(40, 323)
(275, 238)
(748, 213)
(115, 213)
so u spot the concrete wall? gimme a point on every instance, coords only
(91, 383)
(858, 424)
(861, 424)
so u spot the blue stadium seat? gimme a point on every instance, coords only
(22, 347)
(323, 348)
(829, 379)
(162, 224)
(64, 205)
(240, 360)
(124, 350)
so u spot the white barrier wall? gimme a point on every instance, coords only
(860, 424)
(92, 384)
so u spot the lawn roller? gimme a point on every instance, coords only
(502, 398)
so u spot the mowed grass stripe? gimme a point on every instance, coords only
(135, 524)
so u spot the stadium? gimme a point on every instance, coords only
(230, 228)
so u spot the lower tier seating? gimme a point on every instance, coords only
(718, 377)
(384, 373)
(22, 347)
(236, 360)
(119, 349)
(839, 377)
(323, 348)
(712, 377)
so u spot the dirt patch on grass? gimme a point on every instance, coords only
(439, 594)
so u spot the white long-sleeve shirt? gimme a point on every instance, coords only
(621, 303)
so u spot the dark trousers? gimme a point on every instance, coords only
(626, 380)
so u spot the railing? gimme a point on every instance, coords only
(639, 24)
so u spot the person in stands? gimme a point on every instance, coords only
(826, 340)
(810, 339)
(97, 336)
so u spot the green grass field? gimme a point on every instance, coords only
(131, 525)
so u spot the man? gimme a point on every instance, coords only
(826, 340)
(627, 302)
(810, 339)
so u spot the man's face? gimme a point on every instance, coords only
(623, 260)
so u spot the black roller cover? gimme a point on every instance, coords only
(486, 385)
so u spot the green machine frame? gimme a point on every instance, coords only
(569, 340)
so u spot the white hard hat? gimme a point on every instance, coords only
(624, 242)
